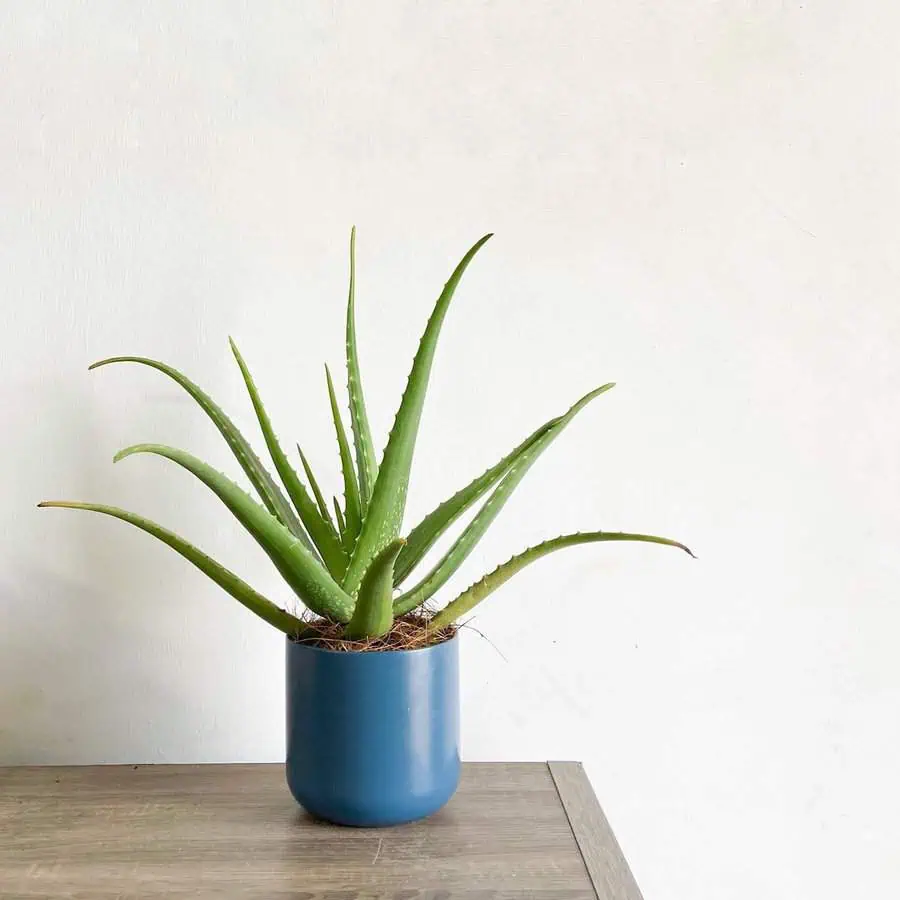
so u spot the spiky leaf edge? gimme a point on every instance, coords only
(317, 492)
(299, 568)
(224, 578)
(477, 592)
(384, 516)
(474, 531)
(339, 516)
(366, 464)
(352, 512)
(423, 537)
(374, 613)
(269, 492)
(324, 537)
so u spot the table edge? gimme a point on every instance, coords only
(603, 858)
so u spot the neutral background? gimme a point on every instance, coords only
(697, 200)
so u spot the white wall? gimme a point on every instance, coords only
(697, 200)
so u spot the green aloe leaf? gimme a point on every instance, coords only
(297, 565)
(423, 537)
(351, 487)
(359, 420)
(374, 614)
(473, 533)
(224, 578)
(262, 481)
(339, 516)
(326, 541)
(317, 493)
(384, 516)
(487, 585)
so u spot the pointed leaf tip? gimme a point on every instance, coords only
(477, 592)
(297, 564)
(128, 451)
(262, 481)
(384, 514)
(224, 578)
(367, 466)
(316, 526)
(476, 528)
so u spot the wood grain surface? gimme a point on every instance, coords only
(223, 831)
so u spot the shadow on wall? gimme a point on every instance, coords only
(72, 616)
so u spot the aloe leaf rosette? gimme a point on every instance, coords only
(348, 562)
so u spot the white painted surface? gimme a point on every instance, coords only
(697, 200)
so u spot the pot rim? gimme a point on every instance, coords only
(296, 644)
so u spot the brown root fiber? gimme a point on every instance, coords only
(410, 632)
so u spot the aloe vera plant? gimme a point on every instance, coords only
(350, 568)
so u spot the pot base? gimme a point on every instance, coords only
(372, 812)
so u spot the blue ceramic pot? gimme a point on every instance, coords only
(372, 738)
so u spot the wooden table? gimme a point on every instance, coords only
(513, 831)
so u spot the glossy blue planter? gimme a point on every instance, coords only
(373, 738)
